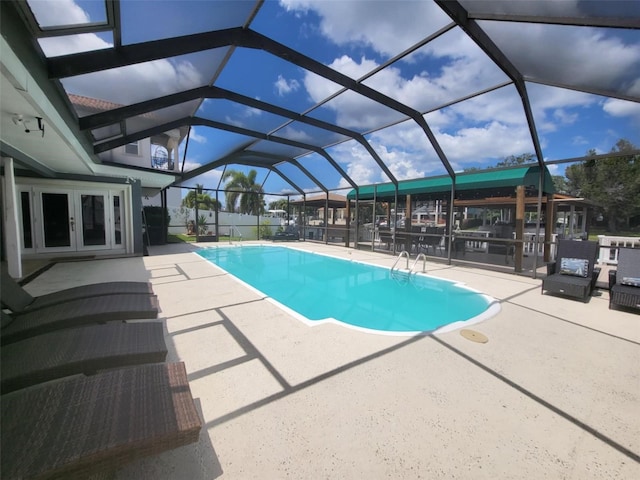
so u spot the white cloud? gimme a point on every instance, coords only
(579, 140)
(622, 108)
(550, 105)
(294, 134)
(125, 85)
(564, 117)
(66, 12)
(494, 140)
(84, 42)
(194, 136)
(143, 81)
(209, 179)
(284, 86)
(571, 55)
(555, 169)
(249, 112)
(380, 25)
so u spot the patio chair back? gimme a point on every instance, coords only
(587, 250)
(628, 263)
(14, 297)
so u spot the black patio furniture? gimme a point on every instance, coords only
(574, 273)
(624, 282)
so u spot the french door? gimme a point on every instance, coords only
(71, 221)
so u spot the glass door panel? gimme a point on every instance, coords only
(93, 230)
(117, 220)
(57, 220)
(27, 231)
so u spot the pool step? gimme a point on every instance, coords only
(402, 276)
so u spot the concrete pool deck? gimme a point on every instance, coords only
(555, 393)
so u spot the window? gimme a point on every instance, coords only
(132, 148)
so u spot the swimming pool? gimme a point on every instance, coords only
(319, 288)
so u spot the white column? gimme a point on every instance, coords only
(572, 220)
(10, 220)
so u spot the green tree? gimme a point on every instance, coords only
(560, 184)
(510, 161)
(204, 200)
(515, 160)
(243, 188)
(612, 183)
(280, 204)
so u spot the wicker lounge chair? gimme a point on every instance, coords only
(574, 273)
(18, 300)
(80, 426)
(80, 350)
(624, 283)
(106, 308)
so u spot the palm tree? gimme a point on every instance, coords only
(204, 200)
(244, 188)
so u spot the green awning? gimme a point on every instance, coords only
(481, 180)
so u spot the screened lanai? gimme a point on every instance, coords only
(316, 97)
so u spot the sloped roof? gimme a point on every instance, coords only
(333, 199)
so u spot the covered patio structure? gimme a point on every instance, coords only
(324, 223)
(524, 196)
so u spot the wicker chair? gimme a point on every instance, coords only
(624, 283)
(579, 283)
(18, 300)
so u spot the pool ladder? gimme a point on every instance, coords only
(398, 274)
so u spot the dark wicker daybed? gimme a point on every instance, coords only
(80, 350)
(18, 300)
(102, 309)
(76, 427)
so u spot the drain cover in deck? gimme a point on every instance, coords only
(474, 336)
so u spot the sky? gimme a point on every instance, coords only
(355, 38)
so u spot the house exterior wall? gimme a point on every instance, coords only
(118, 155)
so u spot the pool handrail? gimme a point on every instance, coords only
(424, 262)
(404, 254)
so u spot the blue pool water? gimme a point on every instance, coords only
(321, 287)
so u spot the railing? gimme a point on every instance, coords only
(529, 242)
(423, 257)
(475, 245)
(403, 254)
(233, 228)
(609, 246)
(368, 232)
(396, 273)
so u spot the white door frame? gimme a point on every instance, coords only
(74, 191)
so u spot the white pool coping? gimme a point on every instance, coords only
(493, 306)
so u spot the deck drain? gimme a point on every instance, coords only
(474, 336)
